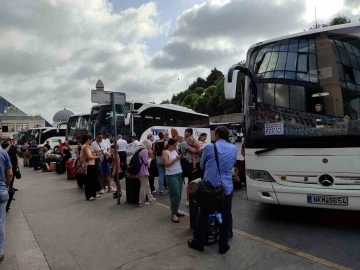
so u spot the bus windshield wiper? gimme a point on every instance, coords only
(258, 152)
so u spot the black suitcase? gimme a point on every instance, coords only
(60, 167)
(11, 197)
(132, 190)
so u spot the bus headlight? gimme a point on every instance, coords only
(259, 175)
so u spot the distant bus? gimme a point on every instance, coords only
(141, 119)
(30, 134)
(53, 135)
(76, 127)
(234, 128)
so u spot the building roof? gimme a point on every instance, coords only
(62, 115)
(21, 117)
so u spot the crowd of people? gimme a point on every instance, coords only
(171, 159)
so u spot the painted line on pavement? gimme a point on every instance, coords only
(278, 246)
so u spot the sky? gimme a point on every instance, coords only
(52, 52)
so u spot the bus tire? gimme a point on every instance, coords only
(56, 148)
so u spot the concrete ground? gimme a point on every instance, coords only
(51, 226)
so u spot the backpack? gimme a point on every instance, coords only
(135, 164)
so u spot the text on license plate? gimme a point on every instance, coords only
(332, 200)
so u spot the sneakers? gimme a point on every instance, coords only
(153, 200)
(187, 203)
(102, 191)
(154, 191)
(161, 192)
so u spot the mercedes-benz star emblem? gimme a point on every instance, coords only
(326, 180)
(325, 160)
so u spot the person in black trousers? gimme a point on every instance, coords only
(90, 181)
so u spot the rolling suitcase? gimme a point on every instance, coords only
(60, 167)
(70, 170)
(132, 190)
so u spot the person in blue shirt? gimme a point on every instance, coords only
(227, 158)
(6, 174)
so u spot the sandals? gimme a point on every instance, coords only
(175, 219)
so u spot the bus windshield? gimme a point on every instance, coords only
(308, 91)
(101, 120)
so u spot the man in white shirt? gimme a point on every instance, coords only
(122, 145)
(133, 145)
(100, 145)
(108, 140)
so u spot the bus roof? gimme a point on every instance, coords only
(165, 106)
(305, 33)
(80, 115)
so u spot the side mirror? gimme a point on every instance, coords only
(230, 85)
(231, 82)
(127, 119)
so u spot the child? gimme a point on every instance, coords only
(116, 158)
(197, 145)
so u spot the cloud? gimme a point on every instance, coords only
(221, 31)
(53, 52)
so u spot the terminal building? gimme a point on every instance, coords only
(14, 120)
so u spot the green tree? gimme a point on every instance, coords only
(199, 91)
(201, 104)
(334, 21)
(165, 102)
(213, 76)
(190, 99)
(339, 20)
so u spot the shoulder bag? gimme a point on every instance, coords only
(81, 165)
(208, 196)
(17, 173)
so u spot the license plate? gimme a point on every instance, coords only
(330, 200)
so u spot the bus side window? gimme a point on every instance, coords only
(168, 117)
(138, 128)
(147, 121)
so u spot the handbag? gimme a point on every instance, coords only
(81, 166)
(208, 196)
(185, 166)
(17, 173)
(153, 169)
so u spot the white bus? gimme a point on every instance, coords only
(53, 135)
(302, 118)
(141, 119)
(75, 128)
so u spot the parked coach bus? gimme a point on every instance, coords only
(302, 118)
(75, 128)
(141, 119)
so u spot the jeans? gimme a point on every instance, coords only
(4, 196)
(203, 219)
(175, 183)
(161, 169)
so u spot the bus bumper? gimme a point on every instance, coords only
(273, 193)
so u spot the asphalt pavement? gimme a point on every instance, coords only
(51, 226)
